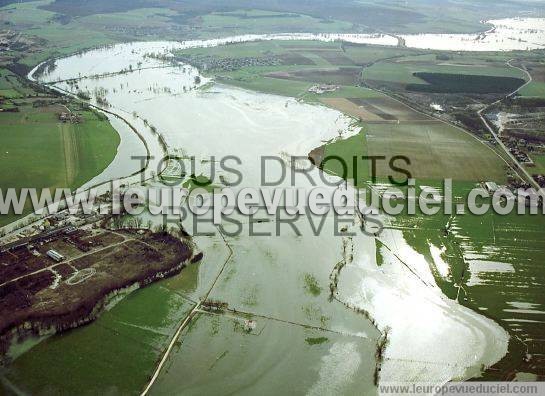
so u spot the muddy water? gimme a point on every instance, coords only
(304, 341)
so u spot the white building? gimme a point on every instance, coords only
(491, 187)
(53, 254)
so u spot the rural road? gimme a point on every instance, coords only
(521, 167)
(525, 173)
(51, 267)
(187, 319)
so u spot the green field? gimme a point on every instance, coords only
(253, 21)
(11, 87)
(539, 161)
(534, 89)
(436, 151)
(404, 71)
(256, 82)
(40, 152)
(153, 17)
(348, 149)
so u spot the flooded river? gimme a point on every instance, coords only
(508, 34)
(304, 342)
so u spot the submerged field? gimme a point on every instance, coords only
(310, 296)
(292, 285)
(390, 128)
(489, 263)
(478, 262)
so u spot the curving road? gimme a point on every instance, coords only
(521, 167)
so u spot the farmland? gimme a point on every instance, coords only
(61, 293)
(72, 154)
(409, 70)
(436, 150)
(250, 21)
(465, 83)
(389, 127)
(389, 109)
(56, 154)
(534, 89)
(441, 297)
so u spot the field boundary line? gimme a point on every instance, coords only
(186, 321)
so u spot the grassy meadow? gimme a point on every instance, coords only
(252, 21)
(38, 151)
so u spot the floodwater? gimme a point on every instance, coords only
(508, 34)
(304, 342)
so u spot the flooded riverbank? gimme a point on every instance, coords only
(304, 339)
(510, 34)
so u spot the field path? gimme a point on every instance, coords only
(187, 319)
(70, 150)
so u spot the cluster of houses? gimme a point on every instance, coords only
(516, 147)
(323, 88)
(69, 117)
(530, 197)
(540, 179)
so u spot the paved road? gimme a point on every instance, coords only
(525, 174)
(521, 167)
(438, 119)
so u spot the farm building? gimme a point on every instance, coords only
(53, 254)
